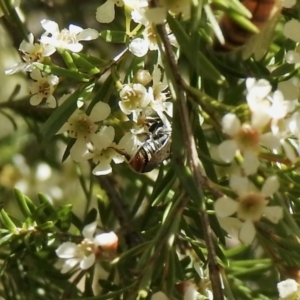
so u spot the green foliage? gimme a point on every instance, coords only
(169, 233)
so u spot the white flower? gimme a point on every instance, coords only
(67, 38)
(78, 254)
(106, 12)
(288, 290)
(271, 109)
(84, 129)
(158, 98)
(43, 88)
(85, 253)
(245, 138)
(250, 206)
(268, 110)
(104, 151)
(31, 52)
(140, 46)
(134, 97)
(266, 107)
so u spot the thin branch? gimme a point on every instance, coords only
(192, 155)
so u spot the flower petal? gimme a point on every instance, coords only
(79, 150)
(247, 232)
(102, 168)
(230, 225)
(89, 230)
(156, 15)
(289, 88)
(75, 47)
(106, 12)
(289, 151)
(67, 250)
(269, 140)
(289, 4)
(273, 213)
(257, 90)
(88, 35)
(36, 99)
(69, 265)
(231, 124)
(104, 137)
(259, 117)
(291, 30)
(51, 102)
(159, 296)
(129, 143)
(87, 261)
(227, 150)
(74, 29)
(250, 163)
(225, 207)
(239, 184)
(50, 26)
(271, 185)
(100, 112)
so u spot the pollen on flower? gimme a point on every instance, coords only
(66, 38)
(248, 137)
(85, 130)
(81, 125)
(251, 207)
(43, 88)
(134, 98)
(86, 253)
(31, 52)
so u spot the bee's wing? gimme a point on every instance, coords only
(259, 43)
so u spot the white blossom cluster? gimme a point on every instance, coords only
(252, 144)
(143, 15)
(94, 140)
(44, 85)
(268, 135)
(92, 248)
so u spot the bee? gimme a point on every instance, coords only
(265, 14)
(154, 151)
